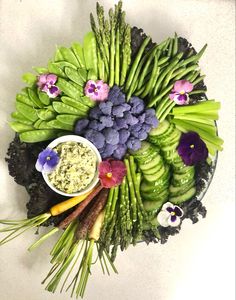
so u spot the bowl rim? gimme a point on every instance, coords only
(78, 139)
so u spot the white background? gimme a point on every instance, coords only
(197, 264)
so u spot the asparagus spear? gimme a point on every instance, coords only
(112, 48)
(126, 54)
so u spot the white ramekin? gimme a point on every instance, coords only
(78, 139)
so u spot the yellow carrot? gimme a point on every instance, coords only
(96, 230)
(67, 204)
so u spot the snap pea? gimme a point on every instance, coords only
(35, 136)
(29, 78)
(74, 76)
(58, 125)
(68, 119)
(75, 103)
(83, 74)
(90, 51)
(63, 64)
(153, 78)
(24, 99)
(20, 118)
(92, 74)
(136, 62)
(79, 88)
(53, 68)
(78, 51)
(34, 98)
(46, 114)
(40, 70)
(37, 123)
(44, 125)
(27, 111)
(146, 67)
(68, 88)
(175, 45)
(58, 55)
(20, 127)
(69, 56)
(63, 108)
(199, 79)
(44, 98)
(87, 101)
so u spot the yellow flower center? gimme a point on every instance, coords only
(172, 213)
(192, 146)
(109, 175)
(48, 157)
(182, 92)
(96, 90)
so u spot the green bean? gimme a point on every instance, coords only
(20, 127)
(163, 44)
(90, 51)
(136, 62)
(78, 51)
(27, 111)
(171, 44)
(24, 99)
(53, 68)
(35, 136)
(195, 75)
(154, 75)
(44, 98)
(189, 75)
(63, 108)
(75, 103)
(68, 88)
(197, 92)
(175, 46)
(20, 118)
(194, 58)
(37, 123)
(46, 114)
(185, 72)
(68, 119)
(34, 98)
(162, 104)
(140, 91)
(167, 79)
(58, 125)
(165, 47)
(163, 93)
(178, 71)
(199, 79)
(165, 110)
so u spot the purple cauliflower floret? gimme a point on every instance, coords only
(133, 144)
(137, 105)
(141, 118)
(108, 150)
(96, 125)
(130, 119)
(141, 135)
(111, 136)
(126, 106)
(95, 137)
(135, 128)
(80, 126)
(106, 107)
(106, 121)
(120, 123)
(118, 111)
(95, 113)
(120, 151)
(146, 127)
(151, 118)
(123, 135)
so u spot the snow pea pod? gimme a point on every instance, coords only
(44, 98)
(63, 108)
(90, 52)
(35, 136)
(34, 98)
(68, 119)
(87, 101)
(58, 125)
(20, 127)
(44, 125)
(37, 123)
(40, 70)
(20, 118)
(79, 88)
(53, 68)
(78, 51)
(27, 111)
(92, 74)
(83, 74)
(74, 76)
(68, 88)
(58, 55)
(46, 114)
(69, 56)
(76, 104)
(24, 99)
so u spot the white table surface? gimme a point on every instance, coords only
(197, 264)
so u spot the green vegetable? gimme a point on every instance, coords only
(27, 111)
(29, 78)
(90, 52)
(35, 136)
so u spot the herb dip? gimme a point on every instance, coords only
(76, 168)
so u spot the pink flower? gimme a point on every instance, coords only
(180, 92)
(96, 90)
(111, 172)
(46, 83)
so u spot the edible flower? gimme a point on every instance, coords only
(170, 215)
(46, 83)
(111, 173)
(192, 149)
(96, 90)
(179, 94)
(47, 160)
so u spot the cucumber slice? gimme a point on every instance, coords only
(179, 190)
(152, 206)
(152, 170)
(148, 186)
(161, 197)
(154, 177)
(153, 162)
(184, 197)
(145, 147)
(161, 128)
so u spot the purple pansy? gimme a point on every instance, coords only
(96, 90)
(192, 149)
(46, 83)
(170, 215)
(47, 160)
(179, 94)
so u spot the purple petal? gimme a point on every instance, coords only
(93, 86)
(51, 78)
(170, 209)
(178, 211)
(183, 86)
(42, 80)
(53, 89)
(173, 218)
(90, 90)
(181, 99)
